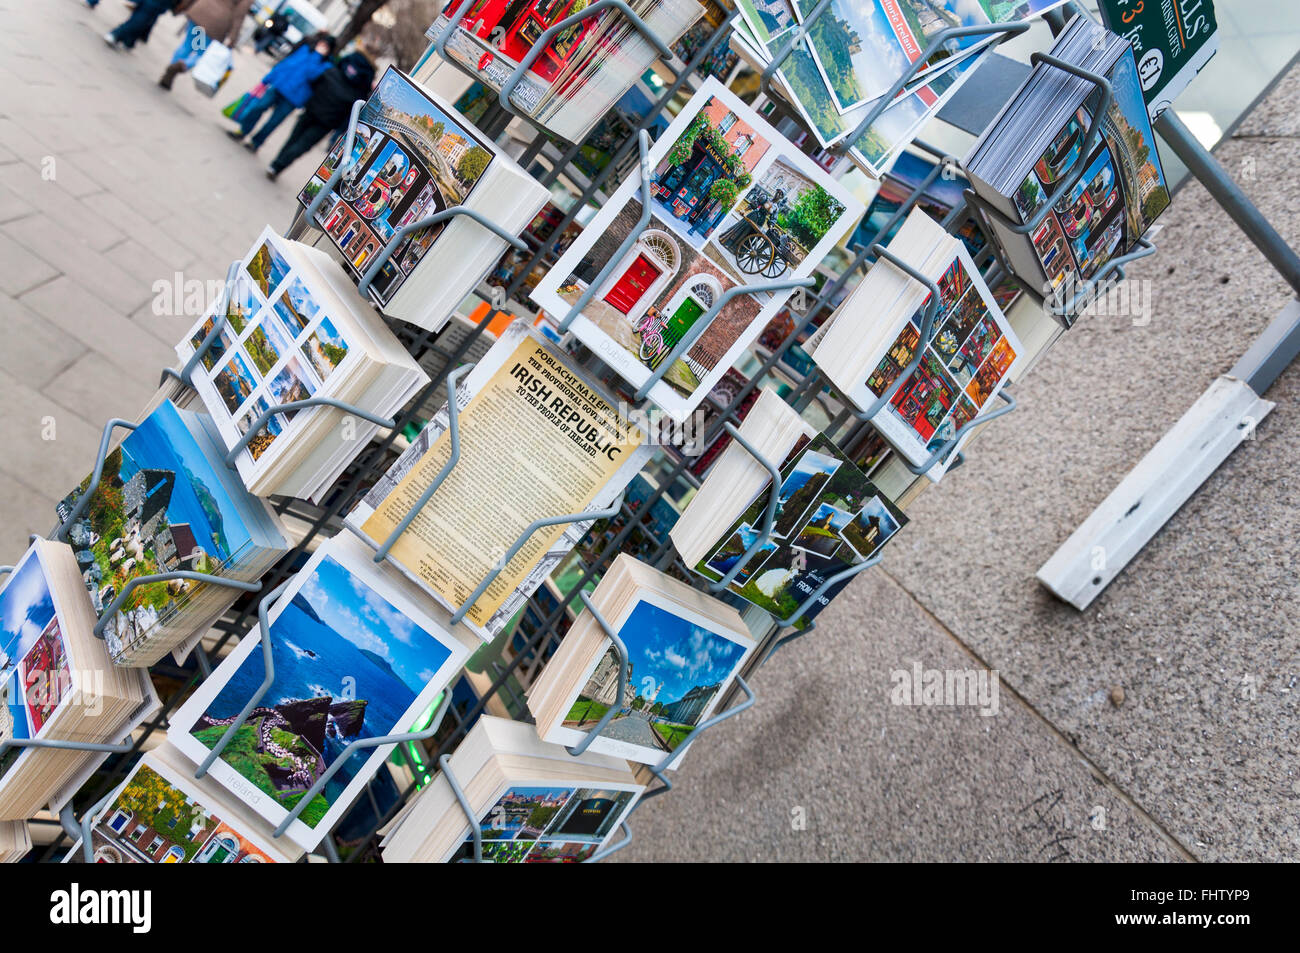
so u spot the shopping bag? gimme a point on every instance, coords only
(238, 107)
(212, 68)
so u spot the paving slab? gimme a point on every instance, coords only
(825, 767)
(1200, 630)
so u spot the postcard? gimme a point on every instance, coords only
(1119, 195)
(159, 507)
(279, 346)
(157, 817)
(679, 665)
(970, 355)
(733, 205)
(34, 672)
(549, 823)
(861, 47)
(829, 517)
(354, 659)
(413, 159)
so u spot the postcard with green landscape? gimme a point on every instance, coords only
(678, 667)
(351, 663)
(829, 517)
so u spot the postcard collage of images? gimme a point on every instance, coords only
(411, 159)
(1114, 202)
(829, 517)
(548, 824)
(732, 204)
(971, 351)
(278, 345)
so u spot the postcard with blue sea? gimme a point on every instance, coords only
(159, 507)
(355, 658)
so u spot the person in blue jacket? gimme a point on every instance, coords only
(288, 87)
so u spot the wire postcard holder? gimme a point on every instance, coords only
(384, 552)
(443, 38)
(548, 162)
(999, 33)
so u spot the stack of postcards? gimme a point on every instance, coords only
(580, 73)
(1038, 140)
(415, 156)
(167, 502)
(774, 429)
(56, 679)
(683, 649)
(534, 802)
(295, 329)
(15, 841)
(875, 333)
(162, 814)
(358, 654)
(855, 52)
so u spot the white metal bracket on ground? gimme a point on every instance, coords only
(1225, 415)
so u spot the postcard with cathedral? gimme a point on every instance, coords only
(733, 205)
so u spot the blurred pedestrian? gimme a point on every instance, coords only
(209, 20)
(270, 31)
(288, 87)
(329, 108)
(135, 29)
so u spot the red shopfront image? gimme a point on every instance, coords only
(512, 27)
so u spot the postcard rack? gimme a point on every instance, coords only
(443, 38)
(517, 657)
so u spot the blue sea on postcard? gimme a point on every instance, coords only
(338, 637)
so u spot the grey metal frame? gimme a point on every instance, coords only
(549, 615)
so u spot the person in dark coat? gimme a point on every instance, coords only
(269, 32)
(288, 87)
(135, 29)
(329, 108)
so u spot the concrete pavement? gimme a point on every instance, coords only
(107, 185)
(1159, 724)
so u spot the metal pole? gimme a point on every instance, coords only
(1211, 174)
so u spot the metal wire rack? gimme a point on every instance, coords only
(498, 675)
